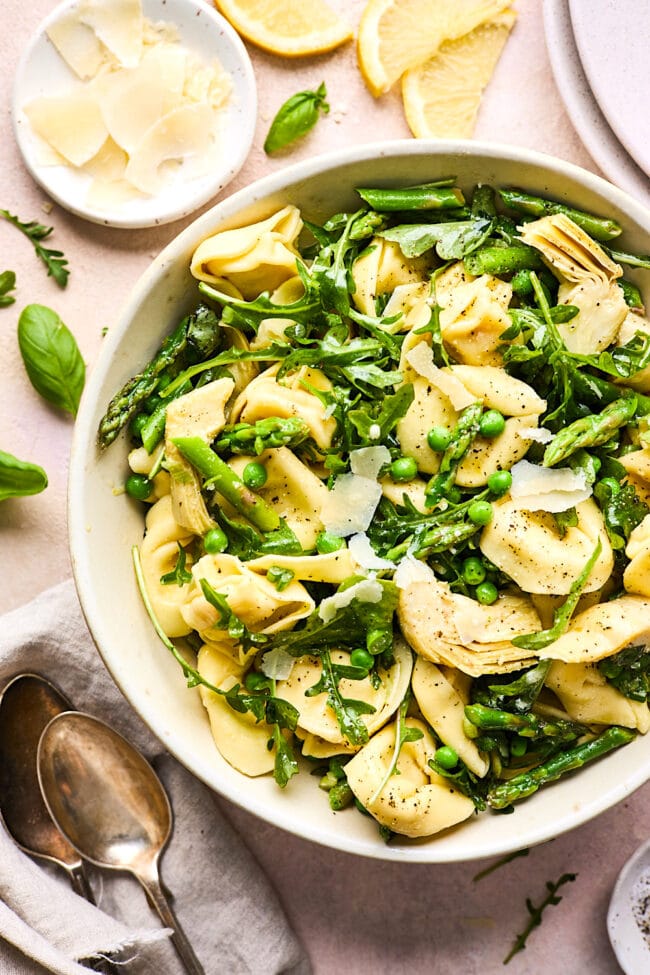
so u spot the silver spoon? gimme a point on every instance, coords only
(111, 806)
(628, 918)
(27, 704)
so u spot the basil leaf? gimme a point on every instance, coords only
(51, 356)
(296, 117)
(7, 284)
(19, 477)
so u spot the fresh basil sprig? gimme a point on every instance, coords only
(19, 478)
(52, 357)
(296, 117)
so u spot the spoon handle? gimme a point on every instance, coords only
(79, 881)
(150, 880)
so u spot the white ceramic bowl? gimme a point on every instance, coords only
(103, 527)
(41, 71)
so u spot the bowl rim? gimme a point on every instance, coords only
(176, 206)
(84, 435)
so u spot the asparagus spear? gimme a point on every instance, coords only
(125, 403)
(437, 539)
(590, 431)
(527, 725)
(466, 430)
(526, 783)
(600, 228)
(594, 389)
(255, 438)
(227, 483)
(427, 196)
(503, 260)
(631, 294)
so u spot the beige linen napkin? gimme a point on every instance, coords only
(224, 902)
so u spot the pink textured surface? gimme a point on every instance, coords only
(355, 916)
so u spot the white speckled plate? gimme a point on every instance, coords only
(590, 123)
(612, 37)
(41, 71)
(628, 918)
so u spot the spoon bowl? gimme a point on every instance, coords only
(27, 704)
(111, 806)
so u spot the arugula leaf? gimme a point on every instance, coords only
(535, 913)
(464, 780)
(517, 695)
(622, 510)
(51, 356)
(385, 415)
(629, 672)
(295, 118)
(54, 260)
(452, 241)
(179, 575)
(353, 625)
(280, 577)
(238, 311)
(348, 711)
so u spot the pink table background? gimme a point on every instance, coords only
(354, 915)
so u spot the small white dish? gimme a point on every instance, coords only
(587, 118)
(203, 31)
(613, 44)
(629, 914)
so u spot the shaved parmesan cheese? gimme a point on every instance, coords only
(537, 434)
(118, 25)
(184, 132)
(368, 461)
(366, 591)
(553, 489)
(77, 44)
(420, 359)
(73, 125)
(365, 556)
(350, 505)
(277, 664)
(412, 570)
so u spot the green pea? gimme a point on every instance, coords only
(486, 593)
(138, 486)
(499, 482)
(254, 475)
(439, 438)
(480, 512)
(453, 495)
(491, 424)
(518, 747)
(403, 469)
(340, 796)
(136, 425)
(473, 571)
(361, 658)
(612, 484)
(326, 543)
(151, 403)
(446, 757)
(378, 641)
(255, 681)
(214, 541)
(327, 782)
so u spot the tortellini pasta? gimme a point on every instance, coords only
(415, 802)
(588, 697)
(380, 269)
(473, 317)
(159, 553)
(248, 260)
(636, 577)
(531, 549)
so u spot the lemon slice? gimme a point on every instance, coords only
(395, 35)
(442, 96)
(285, 27)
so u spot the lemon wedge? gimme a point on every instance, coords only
(395, 35)
(442, 96)
(285, 27)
